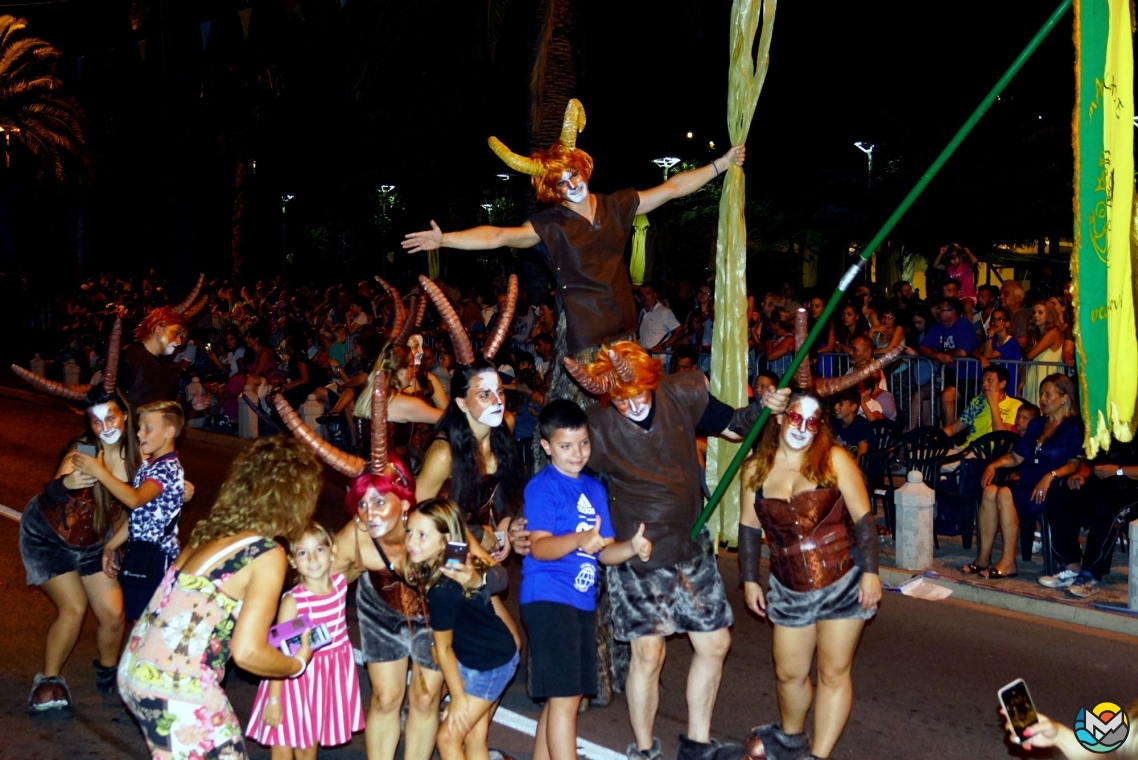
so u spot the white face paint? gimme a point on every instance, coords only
(636, 408)
(572, 187)
(484, 401)
(798, 437)
(108, 430)
(415, 346)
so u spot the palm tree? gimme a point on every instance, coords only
(33, 108)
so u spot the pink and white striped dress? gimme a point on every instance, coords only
(322, 706)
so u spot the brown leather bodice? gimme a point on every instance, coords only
(808, 536)
(393, 589)
(74, 519)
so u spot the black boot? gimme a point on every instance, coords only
(106, 679)
(772, 743)
(652, 753)
(713, 750)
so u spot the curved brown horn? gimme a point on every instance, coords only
(192, 312)
(69, 392)
(111, 367)
(463, 352)
(596, 386)
(188, 300)
(832, 385)
(409, 324)
(379, 424)
(802, 377)
(624, 371)
(518, 163)
(338, 460)
(572, 123)
(397, 304)
(505, 321)
(420, 310)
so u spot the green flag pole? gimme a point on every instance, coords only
(870, 247)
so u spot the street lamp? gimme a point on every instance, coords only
(503, 177)
(666, 163)
(868, 151)
(8, 132)
(284, 231)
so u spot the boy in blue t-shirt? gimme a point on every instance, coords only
(568, 519)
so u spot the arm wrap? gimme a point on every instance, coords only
(744, 419)
(865, 543)
(55, 491)
(750, 551)
(496, 581)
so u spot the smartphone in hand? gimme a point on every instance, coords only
(455, 554)
(1017, 704)
(86, 448)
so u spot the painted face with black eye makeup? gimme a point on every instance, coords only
(107, 422)
(572, 187)
(485, 400)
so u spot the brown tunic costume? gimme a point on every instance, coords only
(593, 289)
(654, 474)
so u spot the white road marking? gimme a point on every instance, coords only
(11, 513)
(585, 748)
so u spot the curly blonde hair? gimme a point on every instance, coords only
(270, 489)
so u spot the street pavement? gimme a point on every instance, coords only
(925, 676)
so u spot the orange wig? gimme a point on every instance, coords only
(646, 368)
(555, 162)
(163, 316)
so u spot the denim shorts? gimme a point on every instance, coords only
(46, 555)
(488, 684)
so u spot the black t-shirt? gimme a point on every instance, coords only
(481, 640)
(851, 435)
(143, 378)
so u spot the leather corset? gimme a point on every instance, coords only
(395, 593)
(808, 536)
(74, 519)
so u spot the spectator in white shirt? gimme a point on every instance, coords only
(657, 322)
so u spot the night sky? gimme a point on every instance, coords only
(404, 94)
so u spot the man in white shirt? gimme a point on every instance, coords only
(657, 322)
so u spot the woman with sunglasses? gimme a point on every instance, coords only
(799, 486)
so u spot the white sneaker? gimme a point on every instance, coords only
(1037, 544)
(1084, 589)
(1063, 580)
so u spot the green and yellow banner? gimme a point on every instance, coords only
(1104, 193)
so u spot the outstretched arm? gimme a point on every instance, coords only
(474, 239)
(686, 183)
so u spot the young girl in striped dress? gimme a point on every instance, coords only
(320, 707)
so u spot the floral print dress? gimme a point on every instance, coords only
(170, 674)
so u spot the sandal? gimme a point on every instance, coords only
(50, 697)
(106, 679)
(973, 569)
(995, 574)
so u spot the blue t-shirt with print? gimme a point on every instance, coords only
(152, 520)
(559, 504)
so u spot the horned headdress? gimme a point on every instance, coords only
(831, 385)
(463, 351)
(573, 123)
(79, 392)
(406, 320)
(188, 308)
(341, 461)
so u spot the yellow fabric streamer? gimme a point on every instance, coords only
(729, 338)
(433, 263)
(639, 257)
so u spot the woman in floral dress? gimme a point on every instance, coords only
(220, 598)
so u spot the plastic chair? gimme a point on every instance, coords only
(875, 466)
(965, 488)
(922, 450)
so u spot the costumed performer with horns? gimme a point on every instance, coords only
(808, 494)
(394, 634)
(643, 437)
(64, 530)
(581, 237)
